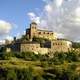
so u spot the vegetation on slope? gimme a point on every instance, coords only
(76, 45)
(30, 66)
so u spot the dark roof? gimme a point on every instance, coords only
(28, 29)
(27, 42)
(34, 23)
(45, 30)
(63, 39)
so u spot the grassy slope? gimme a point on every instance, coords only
(36, 65)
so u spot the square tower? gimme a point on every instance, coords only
(33, 29)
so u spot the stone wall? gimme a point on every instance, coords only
(43, 51)
(29, 47)
(50, 47)
(46, 34)
(33, 31)
(33, 47)
(60, 45)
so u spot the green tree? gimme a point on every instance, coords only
(72, 56)
(7, 55)
(28, 74)
(11, 74)
(25, 37)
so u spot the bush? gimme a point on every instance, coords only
(6, 55)
(11, 74)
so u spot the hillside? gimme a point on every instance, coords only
(29, 66)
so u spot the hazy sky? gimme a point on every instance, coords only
(61, 16)
(14, 17)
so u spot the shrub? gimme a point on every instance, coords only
(11, 74)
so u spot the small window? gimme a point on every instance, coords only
(50, 33)
(39, 32)
(56, 43)
(36, 47)
(33, 27)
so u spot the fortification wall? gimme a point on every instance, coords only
(60, 46)
(29, 47)
(33, 48)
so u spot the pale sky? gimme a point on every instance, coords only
(61, 16)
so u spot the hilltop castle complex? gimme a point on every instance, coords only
(33, 31)
(52, 44)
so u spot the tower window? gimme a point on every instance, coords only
(39, 32)
(44, 32)
(52, 33)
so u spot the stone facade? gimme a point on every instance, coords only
(29, 46)
(33, 47)
(8, 49)
(33, 31)
(60, 46)
(54, 44)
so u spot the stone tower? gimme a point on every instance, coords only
(33, 30)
